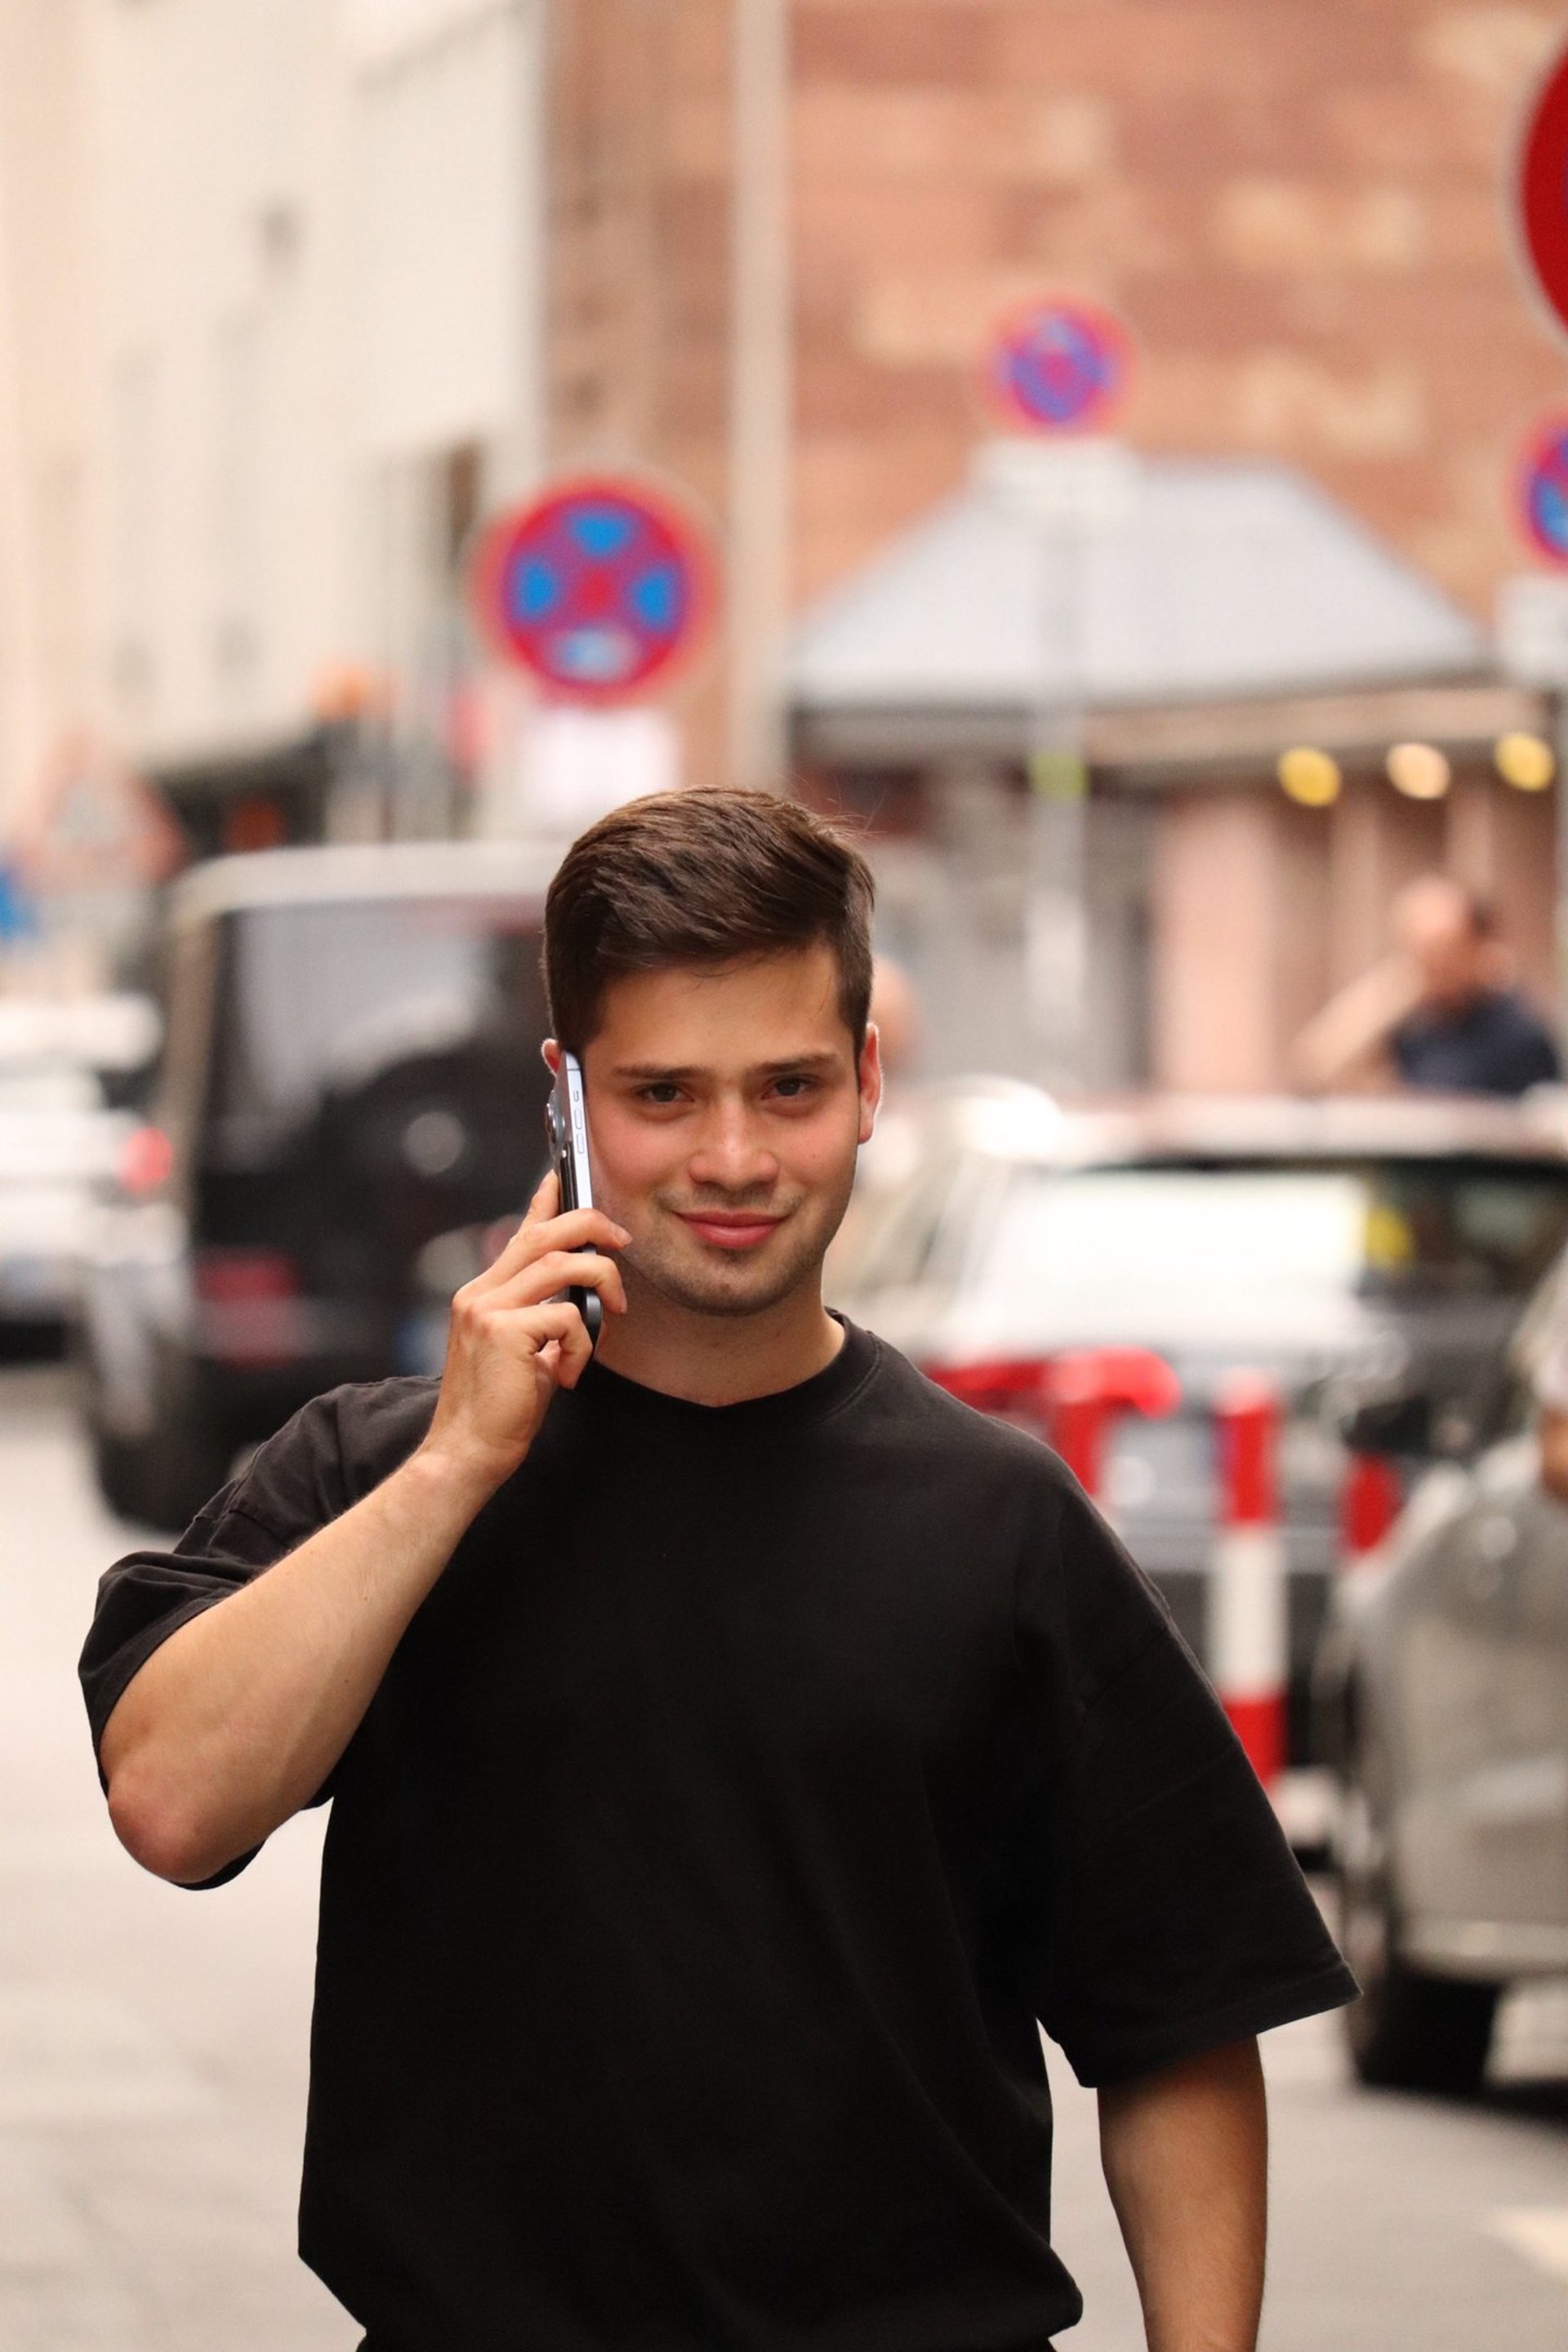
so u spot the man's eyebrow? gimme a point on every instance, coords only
(674, 1074)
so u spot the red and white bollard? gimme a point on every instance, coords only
(1088, 1391)
(1249, 1637)
(1370, 1502)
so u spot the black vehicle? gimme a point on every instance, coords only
(352, 1067)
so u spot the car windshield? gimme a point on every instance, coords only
(1162, 1246)
(318, 998)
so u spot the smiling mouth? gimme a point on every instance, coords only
(730, 1229)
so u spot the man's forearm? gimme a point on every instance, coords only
(1185, 2155)
(1354, 1027)
(236, 1721)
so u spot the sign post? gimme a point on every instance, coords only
(1057, 371)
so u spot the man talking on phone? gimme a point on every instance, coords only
(737, 1748)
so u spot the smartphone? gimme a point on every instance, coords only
(566, 1123)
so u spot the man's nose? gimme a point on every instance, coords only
(733, 1152)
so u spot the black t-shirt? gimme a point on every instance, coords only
(750, 1782)
(1497, 1045)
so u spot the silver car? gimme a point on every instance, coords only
(1442, 1702)
(1338, 1246)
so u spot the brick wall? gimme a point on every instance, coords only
(1300, 206)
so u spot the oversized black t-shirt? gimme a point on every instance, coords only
(747, 1786)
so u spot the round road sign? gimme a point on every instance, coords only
(1543, 188)
(1059, 367)
(599, 587)
(1544, 485)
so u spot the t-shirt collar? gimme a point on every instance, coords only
(809, 1399)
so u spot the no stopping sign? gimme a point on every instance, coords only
(601, 588)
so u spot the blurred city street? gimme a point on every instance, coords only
(1099, 475)
(153, 2069)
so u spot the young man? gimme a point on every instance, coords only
(735, 1745)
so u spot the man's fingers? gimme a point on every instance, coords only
(560, 1270)
(578, 1229)
(561, 1341)
(575, 1352)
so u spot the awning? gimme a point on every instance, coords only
(1091, 579)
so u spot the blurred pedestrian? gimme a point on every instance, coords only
(1438, 1014)
(736, 1744)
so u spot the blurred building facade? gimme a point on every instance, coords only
(291, 293)
(306, 288)
(1303, 211)
(43, 665)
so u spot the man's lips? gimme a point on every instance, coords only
(731, 1229)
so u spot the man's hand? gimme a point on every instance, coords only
(514, 1340)
(1185, 2154)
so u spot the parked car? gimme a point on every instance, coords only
(58, 1141)
(1442, 1689)
(350, 1067)
(1337, 1246)
(69, 1067)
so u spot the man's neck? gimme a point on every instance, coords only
(720, 1358)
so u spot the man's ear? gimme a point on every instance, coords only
(552, 1053)
(870, 1074)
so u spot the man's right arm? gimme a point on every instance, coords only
(236, 1720)
(1345, 1040)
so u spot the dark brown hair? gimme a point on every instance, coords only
(703, 877)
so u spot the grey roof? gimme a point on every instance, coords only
(376, 870)
(1086, 574)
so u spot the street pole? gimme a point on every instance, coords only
(1070, 490)
(758, 389)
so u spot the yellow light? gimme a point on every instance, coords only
(1419, 770)
(1308, 776)
(1525, 761)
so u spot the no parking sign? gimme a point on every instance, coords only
(1543, 490)
(601, 588)
(1058, 367)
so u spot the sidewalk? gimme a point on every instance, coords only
(152, 2043)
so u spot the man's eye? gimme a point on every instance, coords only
(792, 1089)
(660, 1093)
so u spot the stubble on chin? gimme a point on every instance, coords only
(683, 1273)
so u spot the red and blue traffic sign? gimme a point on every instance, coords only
(1059, 367)
(600, 587)
(1543, 188)
(1543, 488)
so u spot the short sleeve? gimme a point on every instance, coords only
(294, 1485)
(1166, 1914)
